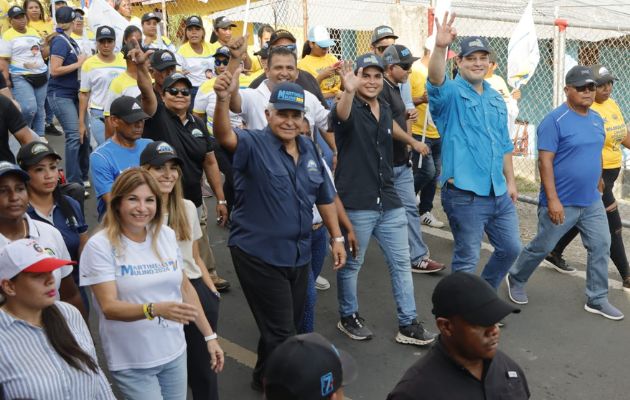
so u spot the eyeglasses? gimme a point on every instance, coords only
(405, 67)
(381, 49)
(590, 87)
(218, 63)
(290, 47)
(175, 91)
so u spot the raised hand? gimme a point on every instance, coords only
(136, 55)
(226, 84)
(445, 32)
(238, 47)
(349, 79)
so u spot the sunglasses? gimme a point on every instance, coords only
(590, 87)
(405, 67)
(290, 47)
(175, 91)
(381, 49)
(218, 63)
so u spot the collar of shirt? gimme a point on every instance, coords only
(439, 347)
(49, 217)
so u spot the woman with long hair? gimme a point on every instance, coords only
(49, 205)
(196, 54)
(37, 18)
(66, 60)
(160, 159)
(47, 351)
(26, 69)
(135, 270)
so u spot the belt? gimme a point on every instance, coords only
(317, 225)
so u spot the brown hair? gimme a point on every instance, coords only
(42, 16)
(124, 184)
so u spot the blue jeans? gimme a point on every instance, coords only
(164, 382)
(403, 182)
(31, 101)
(390, 230)
(319, 247)
(469, 216)
(425, 178)
(592, 223)
(77, 153)
(97, 126)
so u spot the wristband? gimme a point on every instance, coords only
(338, 239)
(147, 313)
(211, 337)
(222, 202)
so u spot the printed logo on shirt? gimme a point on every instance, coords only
(197, 133)
(148, 269)
(327, 384)
(311, 166)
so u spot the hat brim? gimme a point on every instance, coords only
(161, 67)
(18, 14)
(469, 52)
(135, 116)
(379, 67)
(282, 35)
(37, 158)
(184, 79)
(325, 43)
(197, 24)
(582, 82)
(112, 37)
(490, 313)
(288, 106)
(163, 158)
(348, 367)
(158, 19)
(223, 25)
(20, 173)
(376, 39)
(47, 265)
(606, 80)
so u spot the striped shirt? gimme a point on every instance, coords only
(30, 368)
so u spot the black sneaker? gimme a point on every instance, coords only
(415, 334)
(52, 130)
(560, 264)
(352, 326)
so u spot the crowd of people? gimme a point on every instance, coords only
(305, 155)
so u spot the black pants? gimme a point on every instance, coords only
(201, 379)
(276, 296)
(617, 249)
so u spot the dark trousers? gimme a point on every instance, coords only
(617, 249)
(276, 296)
(201, 379)
(425, 177)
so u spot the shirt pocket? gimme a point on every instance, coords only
(315, 180)
(278, 178)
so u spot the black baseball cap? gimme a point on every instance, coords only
(281, 34)
(222, 51)
(382, 32)
(158, 153)
(162, 59)
(223, 22)
(15, 11)
(79, 11)
(579, 75)
(398, 54)
(105, 32)
(472, 44)
(194, 20)
(307, 367)
(470, 297)
(263, 52)
(287, 96)
(33, 152)
(128, 109)
(65, 15)
(602, 75)
(7, 168)
(150, 15)
(369, 60)
(174, 78)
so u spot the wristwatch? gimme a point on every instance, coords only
(211, 337)
(338, 239)
(222, 202)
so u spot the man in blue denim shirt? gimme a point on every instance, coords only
(478, 187)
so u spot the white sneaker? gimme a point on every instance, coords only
(322, 283)
(87, 184)
(428, 219)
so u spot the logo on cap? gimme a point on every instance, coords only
(476, 43)
(6, 165)
(106, 31)
(166, 57)
(327, 384)
(384, 29)
(371, 59)
(135, 106)
(405, 52)
(164, 148)
(585, 72)
(287, 95)
(194, 19)
(150, 15)
(38, 148)
(603, 71)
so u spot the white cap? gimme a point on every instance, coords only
(320, 36)
(26, 255)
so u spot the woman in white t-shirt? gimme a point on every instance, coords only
(16, 224)
(161, 160)
(136, 272)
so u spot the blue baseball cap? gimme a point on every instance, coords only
(287, 96)
(369, 60)
(10, 168)
(472, 44)
(65, 15)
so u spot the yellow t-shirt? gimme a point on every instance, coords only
(24, 50)
(197, 64)
(418, 82)
(97, 75)
(256, 65)
(315, 65)
(44, 28)
(497, 83)
(4, 18)
(121, 85)
(616, 131)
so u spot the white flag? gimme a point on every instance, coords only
(523, 52)
(442, 7)
(102, 13)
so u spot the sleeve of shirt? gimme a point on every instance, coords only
(101, 174)
(13, 117)
(326, 192)
(86, 84)
(440, 97)
(59, 48)
(321, 116)
(241, 155)
(339, 125)
(548, 135)
(201, 99)
(97, 262)
(193, 220)
(108, 101)
(76, 207)
(405, 93)
(246, 103)
(5, 48)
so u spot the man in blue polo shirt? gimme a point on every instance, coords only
(478, 186)
(278, 176)
(570, 142)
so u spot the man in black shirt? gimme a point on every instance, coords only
(364, 176)
(465, 364)
(398, 60)
(11, 120)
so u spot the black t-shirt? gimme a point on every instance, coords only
(364, 174)
(304, 79)
(391, 95)
(10, 120)
(3, 82)
(436, 376)
(191, 142)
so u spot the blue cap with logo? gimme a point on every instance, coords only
(65, 15)
(369, 60)
(287, 96)
(472, 44)
(7, 168)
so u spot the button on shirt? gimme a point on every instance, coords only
(190, 140)
(474, 135)
(364, 174)
(274, 197)
(436, 376)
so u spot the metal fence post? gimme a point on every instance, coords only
(559, 50)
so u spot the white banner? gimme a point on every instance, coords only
(442, 7)
(523, 52)
(101, 13)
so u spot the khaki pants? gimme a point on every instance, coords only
(204, 245)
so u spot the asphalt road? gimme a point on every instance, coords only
(565, 352)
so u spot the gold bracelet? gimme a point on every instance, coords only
(147, 314)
